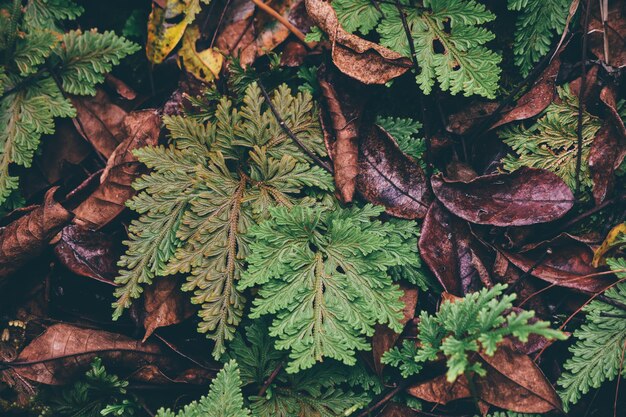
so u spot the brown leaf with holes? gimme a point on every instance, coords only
(65, 351)
(450, 251)
(563, 261)
(88, 253)
(363, 60)
(108, 200)
(164, 304)
(384, 338)
(389, 177)
(100, 121)
(523, 197)
(344, 106)
(25, 238)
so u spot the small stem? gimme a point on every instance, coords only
(407, 32)
(581, 100)
(219, 22)
(612, 302)
(384, 400)
(472, 387)
(289, 132)
(270, 379)
(267, 9)
(604, 12)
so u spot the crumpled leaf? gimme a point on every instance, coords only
(108, 200)
(608, 244)
(523, 197)
(164, 304)
(563, 261)
(616, 33)
(384, 338)
(363, 60)
(166, 26)
(344, 109)
(448, 248)
(513, 382)
(88, 253)
(99, 121)
(389, 177)
(26, 237)
(204, 65)
(64, 351)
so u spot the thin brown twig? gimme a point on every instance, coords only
(298, 34)
(270, 379)
(219, 22)
(581, 100)
(289, 132)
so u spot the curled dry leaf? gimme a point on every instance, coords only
(605, 156)
(563, 261)
(108, 200)
(451, 252)
(513, 382)
(384, 338)
(164, 305)
(88, 253)
(345, 108)
(25, 238)
(523, 197)
(389, 177)
(610, 242)
(64, 351)
(100, 121)
(363, 60)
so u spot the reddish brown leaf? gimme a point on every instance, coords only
(449, 250)
(438, 390)
(526, 196)
(605, 156)
(99, 121)
(563, 261)
(363, 60)
(537, 98)
(385, 338)
(120, 87)
(108, 200)
(592, 86)
(469, 117)
(88, 253)
(164, 305)
(344, 109)
(608, 95)
(616, 32)
(389, 177)
(64, 149)
(152, 374)
(26, 237)
(64, 351)
(394, 409)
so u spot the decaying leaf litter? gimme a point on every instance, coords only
(333, 192)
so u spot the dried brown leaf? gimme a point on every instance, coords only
(605, 156)
(616, 25)
(523, 197)
(164, 305)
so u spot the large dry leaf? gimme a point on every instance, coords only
(100, 122)
(166, 26)
(384, 338)
(345, 107)
(513, 382)
(64, 351)
(563, 261)
(25, 238)
(204, 65)
(451, 252)
(523, 197)
(363, 60)
(164, 304)
(108, 200)
(88, 253)
(389, 177)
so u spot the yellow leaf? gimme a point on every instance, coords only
(163, 35)
(608, 244)
(205, 65)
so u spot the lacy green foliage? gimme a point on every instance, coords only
(405, 131)
(97, 394)
(538, 23)
(207, 188)
(471, 324)
(551, 143)
(322, 274)
(326, 390)
(597, 355)
(447, 36)
(224, 398)
(38, 66)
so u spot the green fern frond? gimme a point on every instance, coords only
(551, 143)
(538, 23)
(46, 14)
(598, 352)
(471, 324)
(323, 275)
(197, 206)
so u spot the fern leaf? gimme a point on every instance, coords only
(45, 14)
(33, 50)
